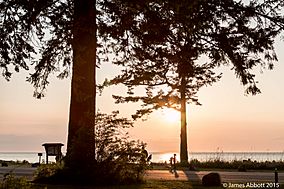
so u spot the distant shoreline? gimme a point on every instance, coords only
(160, 157)
(165, 152)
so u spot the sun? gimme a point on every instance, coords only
(170, 115)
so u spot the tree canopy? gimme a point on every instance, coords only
(51, 37)
(231, 33)
(157, 43)
(168, 42)
(37, 34)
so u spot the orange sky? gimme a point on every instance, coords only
(228, 120)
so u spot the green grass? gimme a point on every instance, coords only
(149, 184)
(227, 166)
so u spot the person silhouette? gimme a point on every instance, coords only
(149, 158)
(174, 161)
(144, 153)
(171, 164)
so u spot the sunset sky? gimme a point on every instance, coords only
(228, 120)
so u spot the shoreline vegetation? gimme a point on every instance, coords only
(12, 181)
(161, 157)
(236, 165)
(194, 165)
(6, 163)
(16, 183)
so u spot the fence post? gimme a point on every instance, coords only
(276, 175)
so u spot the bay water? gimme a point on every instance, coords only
(161, 157)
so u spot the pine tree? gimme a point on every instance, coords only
(167, 41)
(54, 36)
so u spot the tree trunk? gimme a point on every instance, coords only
(183, 133)
(81, 140)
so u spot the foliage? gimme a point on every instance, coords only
(109, 132)
(167, 42)
(49, 37)
(47, 170)
(238, 165)
(38, 34)
(118, 159)
(17, 162)
(11, 182)
(174, 47)
(152, 35)
(43, 36)
(52, 36)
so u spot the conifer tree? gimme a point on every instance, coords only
(167, 42)
(54, 36)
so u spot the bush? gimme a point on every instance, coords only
(121, 160)
(4, 164)
(11, 182)
(118, 160)
(45, 171)
(238, 165)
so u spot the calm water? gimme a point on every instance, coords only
(32, 157)
(225, 156)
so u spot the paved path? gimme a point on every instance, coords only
(225, 176)
(195, 176)
(18, 171)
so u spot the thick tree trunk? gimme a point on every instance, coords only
(183, 133)
(81, 141)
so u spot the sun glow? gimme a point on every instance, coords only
(170, 115)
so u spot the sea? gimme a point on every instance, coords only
(161, 157)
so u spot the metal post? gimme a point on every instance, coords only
(175, 161)
(46, 158)
(276, 175)
(39, 158)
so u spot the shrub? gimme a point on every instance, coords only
(239, 165)
(11, 182)
(121, 159)
(117, 159)
(47, 170)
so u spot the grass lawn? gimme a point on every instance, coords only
(166, 167)
(149, 184)
(154, 184)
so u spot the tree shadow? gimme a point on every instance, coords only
(193, 178)
(174, 171)
(189, 175)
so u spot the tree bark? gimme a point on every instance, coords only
(81, 139)
(183, 133)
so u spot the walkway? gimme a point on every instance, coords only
(226, 176)
(195, 176)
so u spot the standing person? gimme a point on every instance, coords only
(171, 163)
(144, 153)
(174, 159)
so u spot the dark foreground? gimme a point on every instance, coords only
(175, 179)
